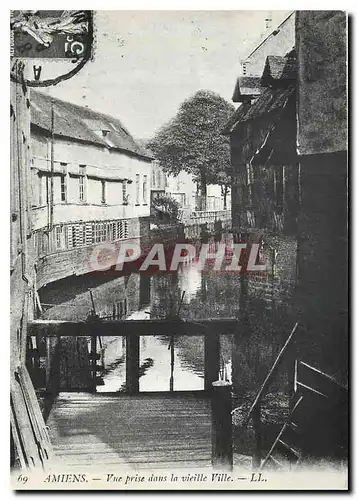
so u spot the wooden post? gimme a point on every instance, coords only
(211, 359)
(256, 421)
(93, 362)
(291, 374)
(132, 363)
(171, 347)
(221, 425)
(53, 347)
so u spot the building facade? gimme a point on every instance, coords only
(183, 189)
(322, 262)
(262, 132)
(90, 184)
(277, 41)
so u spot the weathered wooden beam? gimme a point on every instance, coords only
(132, 364)
(222, 454)
(109, 328)
(271, 374)
(53, 368)
(211, 360)
(256, 421)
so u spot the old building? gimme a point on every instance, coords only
(183, 189)
(289, 170)
(263, 152)
(322, 223)
(276, 41)
(91, 183)
(262, 136)
(159, 181)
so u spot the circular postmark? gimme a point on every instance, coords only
(50, 46)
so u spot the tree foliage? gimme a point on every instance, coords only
(167, 205)
(193, 140)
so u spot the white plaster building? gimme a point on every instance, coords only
(183, 189)
(90, 179)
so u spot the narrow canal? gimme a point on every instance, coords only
(193, 294)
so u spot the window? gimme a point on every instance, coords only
(73, 236)
(137, 189)
(58, 237)
(81, 187)
(88, 234)
(124, 193)
(81, 183)
(103, 196)
(153, 177)
(145, 189)
(41, 200)
(63, 189)
(83, 242)
(47, 187)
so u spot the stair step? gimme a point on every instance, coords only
(292, 436)
(316, 380)
(289, 448)
(276, 463)
(310, 389)
(312, 406)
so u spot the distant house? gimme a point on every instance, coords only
(158, 180)
(182, 187)
(90, 184)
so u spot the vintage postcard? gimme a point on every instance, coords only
(179, 296)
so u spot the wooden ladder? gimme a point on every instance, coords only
(317, 423)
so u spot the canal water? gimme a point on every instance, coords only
(194, 294)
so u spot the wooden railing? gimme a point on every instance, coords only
(210, 329)
(202, 216)
(132, 330)
(255, 409)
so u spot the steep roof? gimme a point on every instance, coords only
(83, 124)
(246, 86)
(280, 70)
(273, 32)
(270, 100)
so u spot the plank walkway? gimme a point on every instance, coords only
(142, 431)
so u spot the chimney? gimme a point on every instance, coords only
(268, 23)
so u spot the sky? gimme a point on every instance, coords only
(147, 62)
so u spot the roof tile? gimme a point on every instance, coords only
(77, 122)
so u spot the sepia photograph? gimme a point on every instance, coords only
(179, 250)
